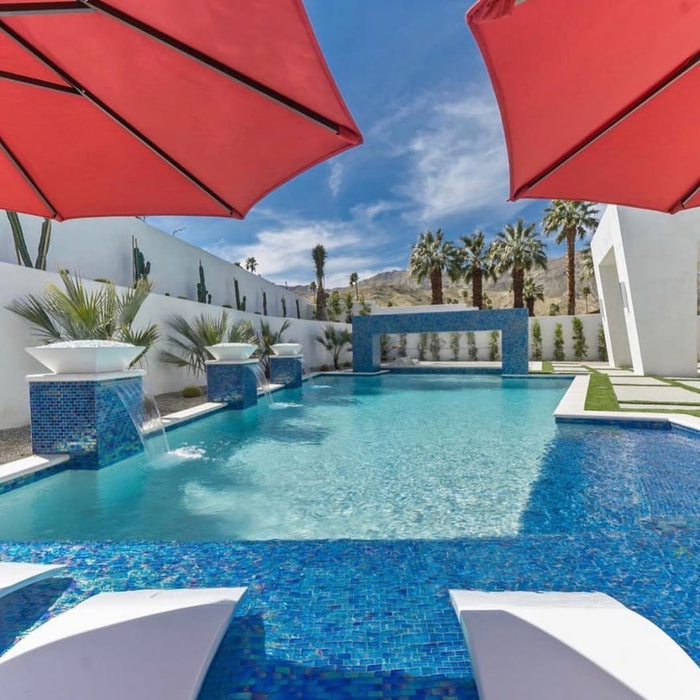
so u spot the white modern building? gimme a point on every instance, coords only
(646, 267)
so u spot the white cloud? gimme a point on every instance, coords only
(336, 177)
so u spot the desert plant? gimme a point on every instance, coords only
(318, 255)
(580, 345)
(602, 347)
(384, 347)
(454, 345)
(251, 264)
(559, 355)
(264, 300)
(536, 340)
(191, 392)
(139, 267)
(334, 341)
(430, 255)
(532, 292)
(554, 309)
(493, 346)
(474, 262)
(335, 305)
(472, 352)
(435, 346)
(403, 342)
(188, 339)
(242, 332)
(355, 282)
(74, 313)
(237, 294)
(365, 308)
(203, 296)
(348, 307)
(585, 293)
(284, 308)
(422, 346)
(298, 309)
(21, 245)
(266, 339)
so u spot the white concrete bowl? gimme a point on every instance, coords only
(86, 356)
(287, 349)
(232, 351)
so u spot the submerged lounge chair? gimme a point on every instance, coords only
(14, 576)
(578, 646)
(139, 645)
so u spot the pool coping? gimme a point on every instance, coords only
(571, 409)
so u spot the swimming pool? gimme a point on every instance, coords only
(609, 509)
(389, 457)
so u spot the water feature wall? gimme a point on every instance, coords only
(287, 370)
(232, 382)
(84, 416)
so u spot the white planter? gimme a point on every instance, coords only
(286, 349)
(86, 356)
(232, 351)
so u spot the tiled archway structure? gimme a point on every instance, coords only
(512, 323)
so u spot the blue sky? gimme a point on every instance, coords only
(433, 156)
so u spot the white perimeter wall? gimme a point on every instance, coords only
(101, 248)
(15, 335)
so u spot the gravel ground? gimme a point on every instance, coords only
(15, 443)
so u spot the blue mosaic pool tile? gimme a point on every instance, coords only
(232, 383)
(286, 371)
(88, 420)
(513, 324)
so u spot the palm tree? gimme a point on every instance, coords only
(586, 270)
(318, 254)
(518, 249)
(334, 341)
(354, 282)
(569, 220)
(266, 339)
(251, 264)
(473, 263)
(429, 257)
(586, 291)
(312, 289)
(532, 292)
(74, 313)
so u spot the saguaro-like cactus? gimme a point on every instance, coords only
(141, 268)
(284, 307)
(238, 295)
(23, 257)
(264, 304)
(203, 296)
(298, 309)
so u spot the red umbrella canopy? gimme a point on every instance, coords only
(196, 107)
(599, 99)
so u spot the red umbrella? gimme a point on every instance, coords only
(599, 99)
(160, 106)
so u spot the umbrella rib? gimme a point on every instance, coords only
(28, 80)
(116, 117)
(685, 199)
(28, 178)
(229, 72)
(40, 8)
(657, 89)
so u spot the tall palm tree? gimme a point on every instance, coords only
(251, 264)
(569, 220)
(532, 292)
(318, 254)
(312, 289)
(429, 257)
(474, 263)
(586, 270)
(354, 282)
(518, 249)
(586, 291)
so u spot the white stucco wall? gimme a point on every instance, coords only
(646, 271)
(100, 248)
(15, 333)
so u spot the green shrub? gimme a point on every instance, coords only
(580, 345)
(347, 365)
(554, 309)
(602, 347)
(422, 346)
(103, 280)
(454, 345)
(473, 353)
(403, 342)
(536, 340)
(384, 347)
(325, 368)
(190, 392)
(435, 346)
(559, 343)
(493, 346)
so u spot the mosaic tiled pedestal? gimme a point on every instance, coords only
(232, 382)
(87, 416)
(286, 370)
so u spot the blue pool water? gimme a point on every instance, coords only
(607, 509)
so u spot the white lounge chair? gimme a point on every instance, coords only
(15, 575)
(578, 646)
(138, 645)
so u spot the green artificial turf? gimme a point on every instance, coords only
(601, 395)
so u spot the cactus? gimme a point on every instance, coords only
(264, 304)
(21, 250)
(238, 295)
(141, 268)
(284, 307)
(242, 307)
(203, 296)
(44, 243)
(298, 309)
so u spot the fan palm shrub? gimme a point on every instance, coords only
(570, 220)
(532, 292)
(75, 313)
(430, 256)
(519, 249)
(188, 338)
(266, 338)
(335, 340)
